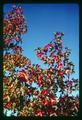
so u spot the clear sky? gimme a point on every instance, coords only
(44, 19)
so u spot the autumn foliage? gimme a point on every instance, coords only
(19, 96)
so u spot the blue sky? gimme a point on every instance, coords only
(44, 19)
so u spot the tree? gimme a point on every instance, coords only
(19, 96)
